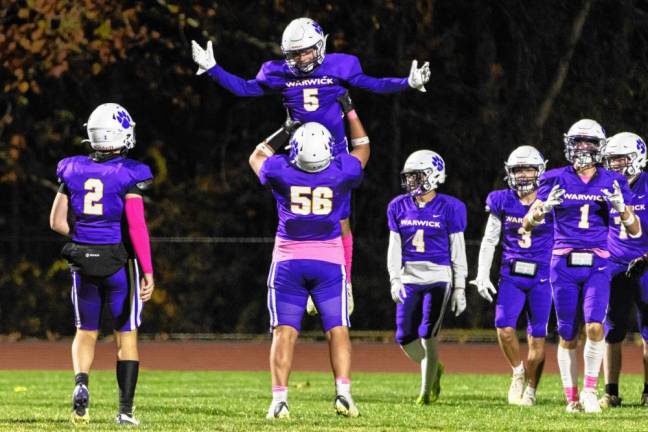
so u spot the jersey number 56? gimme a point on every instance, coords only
(305, 200)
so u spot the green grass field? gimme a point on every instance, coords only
(228, 401)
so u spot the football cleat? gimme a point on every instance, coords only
(435, 391)
(126, 419)
(644, 400)
(589, 401)
(610, 401)
(423, 399)
(516, 389)
(527, 400)
(278, 410)
(574, 407)
(80, 403)
(345, 406)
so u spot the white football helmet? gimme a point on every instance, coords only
(312, 147)
(303, 34)
(524, 156)
(629, 145)
(583, 143)
(423, 172)
(110, 127)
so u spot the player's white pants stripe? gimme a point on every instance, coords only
(446, 297)
(75, 300)
(345, 298)
(272, 300)
(136, 301)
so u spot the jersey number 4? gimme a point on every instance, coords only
(305, 200)
(91, 204)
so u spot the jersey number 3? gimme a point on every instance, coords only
(305, 200)
(91, 204)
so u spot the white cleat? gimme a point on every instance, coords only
(125, 419)
(574, 407)
(527, 400)
(516, 389)
(589, 401)
(278, 410)
(345, 406)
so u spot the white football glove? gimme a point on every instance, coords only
(458, 301)
(554, 199)
(615, 198)
(485, 288)
(310, 306)
(418, 77)
(398, 292)
(203, 57)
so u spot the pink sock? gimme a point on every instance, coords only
(347, 244)
(279, 388)
(342, 380)
(571, 393)
(590, 382)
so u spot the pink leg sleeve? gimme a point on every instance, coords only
(347, 244)
(138, 232)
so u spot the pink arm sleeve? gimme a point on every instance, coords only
(139, 233)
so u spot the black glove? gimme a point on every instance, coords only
(290, 125)
(281, 136)
(346, 102)
(637, 267)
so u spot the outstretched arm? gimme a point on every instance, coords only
(417, 79)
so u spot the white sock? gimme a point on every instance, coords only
(429, 364)
(568, 372)
(593, 356)
(530, 391)
(343, 387)
(519, 369)
(414, 350)
(279, 394)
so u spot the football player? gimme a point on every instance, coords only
(524, 270)
(103, 191)
(426, 261)
(582, 197)
(310, 82)
(625, 153)
(308, 256)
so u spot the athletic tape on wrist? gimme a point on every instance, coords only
(629, 221)
(360, 141)
(267, 150)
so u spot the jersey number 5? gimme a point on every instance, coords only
(91, 204)
(305, 200)
(311, 101)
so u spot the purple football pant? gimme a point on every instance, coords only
(575, 286)
(623, 294)
(120, 291)
(421, 314)
(291, 282)
(516, 292)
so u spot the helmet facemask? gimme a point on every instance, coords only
(583, 151)
(621, 163)
(521, 183)
(418, 182)
(308, 66)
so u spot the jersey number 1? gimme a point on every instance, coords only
(91, 204)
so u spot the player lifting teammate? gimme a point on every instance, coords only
(310, 82)
(426, 260)
(102, 189)
(308, 257)
(582, 197)
(625, 153)
(524, 270)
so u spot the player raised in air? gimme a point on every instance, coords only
(582, 197)
(426, 260)
(524, 270)
(308, 257)
(625, 153)
(310, 82)
(102, 191)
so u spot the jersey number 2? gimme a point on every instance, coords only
(91, 204)
(311, 100)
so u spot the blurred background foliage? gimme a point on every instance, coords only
(504, 74)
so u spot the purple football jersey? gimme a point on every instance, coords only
(309, 205)
(424, 231)
(312, 97)
(536, 247)
(97, 191)
(623, 248)
(581, 221)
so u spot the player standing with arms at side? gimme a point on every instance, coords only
(581, 197)
(102, 189)
(524, 271)
(310, 82)
(426, 261)
(308, 258)
(625, 153)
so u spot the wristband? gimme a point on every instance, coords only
(629, 221)
(359, 141)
